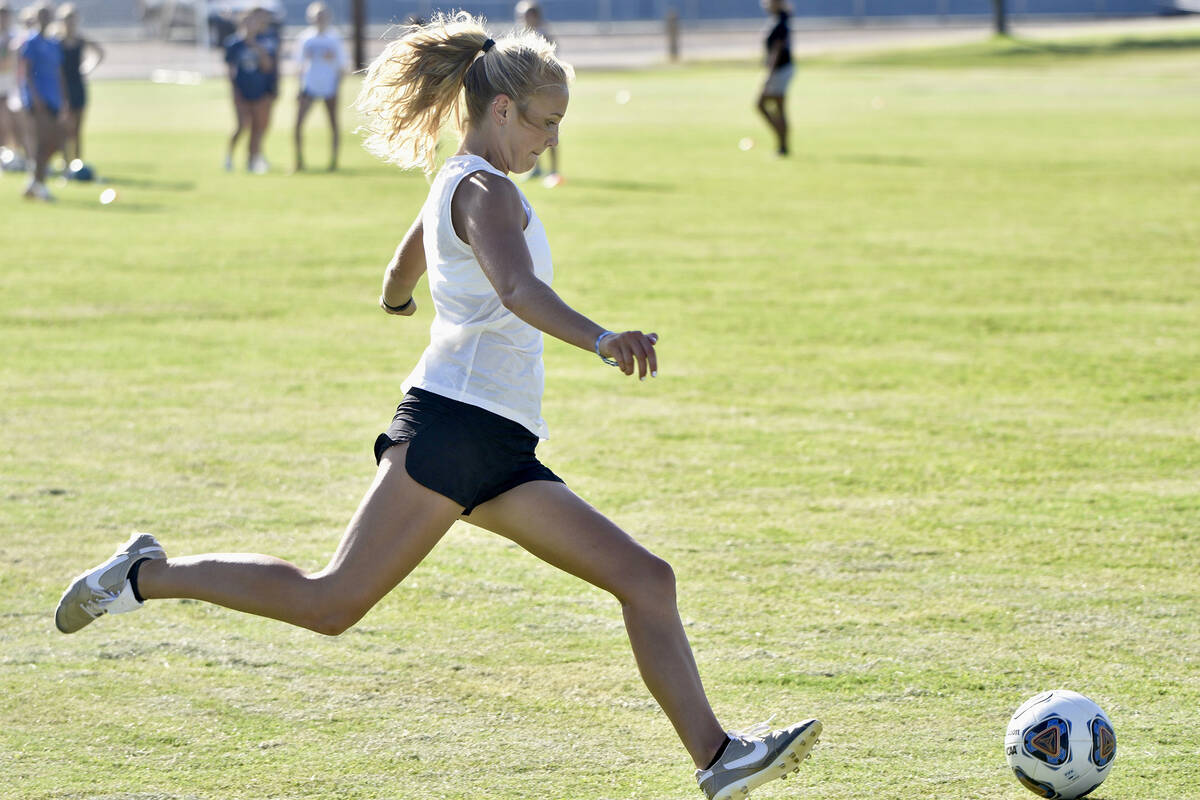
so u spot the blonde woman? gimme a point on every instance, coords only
(461, 444)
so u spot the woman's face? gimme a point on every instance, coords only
(255, 23)
(527, 133)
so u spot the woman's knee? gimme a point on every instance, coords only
(651, 581)
(332, 610)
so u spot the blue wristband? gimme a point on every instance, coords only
(612, 362)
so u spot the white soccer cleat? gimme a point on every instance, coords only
(106, 588)
(756, 756)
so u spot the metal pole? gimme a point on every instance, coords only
(201, 26)
(359, 12)
(672, 21)
(999, 18)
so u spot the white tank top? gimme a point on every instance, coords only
(479, 352)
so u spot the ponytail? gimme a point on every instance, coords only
(447, 71)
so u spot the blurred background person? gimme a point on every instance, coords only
(322, 61)
(39, 75)
(772, 99)
(251, 55)
(10, 104)
(75, 66)
(529, 17)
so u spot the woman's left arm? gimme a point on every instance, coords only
(403, 271)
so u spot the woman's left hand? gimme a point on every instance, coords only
(406, 310)
(632, 349)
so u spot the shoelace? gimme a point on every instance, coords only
(755, 731)
(95, 607)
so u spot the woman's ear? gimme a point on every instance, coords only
(502, 108)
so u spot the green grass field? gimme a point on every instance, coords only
(925, 440)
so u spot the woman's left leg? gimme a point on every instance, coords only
(331, 105)
(77, 131)
(260, 116)
(554, 524)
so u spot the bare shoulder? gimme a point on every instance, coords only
(485, 200)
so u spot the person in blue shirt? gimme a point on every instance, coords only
(39, 75)
(251, 55)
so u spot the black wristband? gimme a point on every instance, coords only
(395, 309)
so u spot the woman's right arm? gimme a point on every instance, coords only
(489, 216)
(403, 271)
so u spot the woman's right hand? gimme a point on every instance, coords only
(632, 349)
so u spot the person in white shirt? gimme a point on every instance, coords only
(322, 61)
(10, 133)
(461, 444)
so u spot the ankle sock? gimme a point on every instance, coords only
(133, 575)
(716, 758)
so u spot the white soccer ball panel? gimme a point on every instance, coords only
(1060, 745)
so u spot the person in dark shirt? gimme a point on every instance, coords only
(251, 54)
(76, 66)
(779, 72)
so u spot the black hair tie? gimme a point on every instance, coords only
(488, 45)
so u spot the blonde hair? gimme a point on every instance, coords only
(314, 8)
(439, 72)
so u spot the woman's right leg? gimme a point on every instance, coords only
(771, 107)
(396, 525)
(241, 116)
(257, 128)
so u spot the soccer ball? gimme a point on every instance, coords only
(1060, 745)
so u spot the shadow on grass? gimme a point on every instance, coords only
(1006, 46)
(146, 183)
(881, 161)
(622, 185)
(1016, 51)
(118, 206)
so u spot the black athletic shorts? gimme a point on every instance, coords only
(462, 451)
